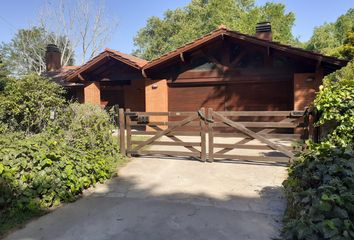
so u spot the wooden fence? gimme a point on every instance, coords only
(169, 129)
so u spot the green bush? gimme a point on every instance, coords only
(320, 186)
(320, 191)
(42, 170)
(335, 103)
(26, 103)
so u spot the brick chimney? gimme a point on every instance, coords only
(264, 31)
(52, 57)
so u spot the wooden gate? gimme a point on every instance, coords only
(245, 131)
(266, 128)
(165, 129)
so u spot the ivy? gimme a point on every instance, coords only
(320, 186)
(335, 103)
(42, 170)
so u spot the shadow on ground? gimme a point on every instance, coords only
(155, 198)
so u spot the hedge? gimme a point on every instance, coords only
(320, 191)
(42, 170)
(320, 186)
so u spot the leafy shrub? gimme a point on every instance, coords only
(320, 186)
(320, 191)
(42, 170)
(335, 102)
(87, 126)
(26, 103)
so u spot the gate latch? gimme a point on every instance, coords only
(203, 117)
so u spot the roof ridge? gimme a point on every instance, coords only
(222, 29)
(191, 42)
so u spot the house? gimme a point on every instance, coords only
(224, 70)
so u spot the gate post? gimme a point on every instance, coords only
(129, 133)
(121, 131)
(202, 135)
(211, 136)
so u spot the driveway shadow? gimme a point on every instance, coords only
(156, 199)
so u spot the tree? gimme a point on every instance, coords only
(347, 49)
(3, 74)
(330, 37)
(86, 26)
(200, 17)
(26, 51)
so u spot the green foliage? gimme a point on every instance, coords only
(26, 103)
(49, 151)
(330, 37)
(26, 51)
(335, 102)
(320, 191)
(54, 166)
(3, 74)
(320, 186)
(347, 50)
(183, 25)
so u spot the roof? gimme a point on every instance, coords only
(138, 61)
(70, 72)
(222, 31)
(59, 76)
(131, 60)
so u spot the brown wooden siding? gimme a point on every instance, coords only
(260, 96)
(267, 96)
(191, 98)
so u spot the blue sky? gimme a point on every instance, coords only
(132, 15)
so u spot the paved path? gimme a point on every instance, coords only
(156, 198)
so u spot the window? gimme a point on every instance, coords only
(201, 64)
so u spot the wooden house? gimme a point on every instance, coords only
(224, 70)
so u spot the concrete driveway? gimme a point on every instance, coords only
(161, 198)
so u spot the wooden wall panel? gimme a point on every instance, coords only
(304, 90)
(267, 96)
(260, 96)
(134, 95)
(111, 97)
(156, 99)
(92, 93)
(191, 98)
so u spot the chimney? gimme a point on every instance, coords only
(264, 31)
(52, 58)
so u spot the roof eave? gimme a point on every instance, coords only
(103, 55)
(221, 32)
(176, 53)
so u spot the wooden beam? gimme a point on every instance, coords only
(238, 58)
(81, 77)
(211, 136)
(319, 61)
(226, 55)
(121, 131)
(181, 55)
(213, 60)
(143, 73)
(203, 150)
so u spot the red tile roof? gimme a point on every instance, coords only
(222, 31)
(138, 61)
(131, 60)
(69, 72)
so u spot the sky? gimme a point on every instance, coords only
(133, 14)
